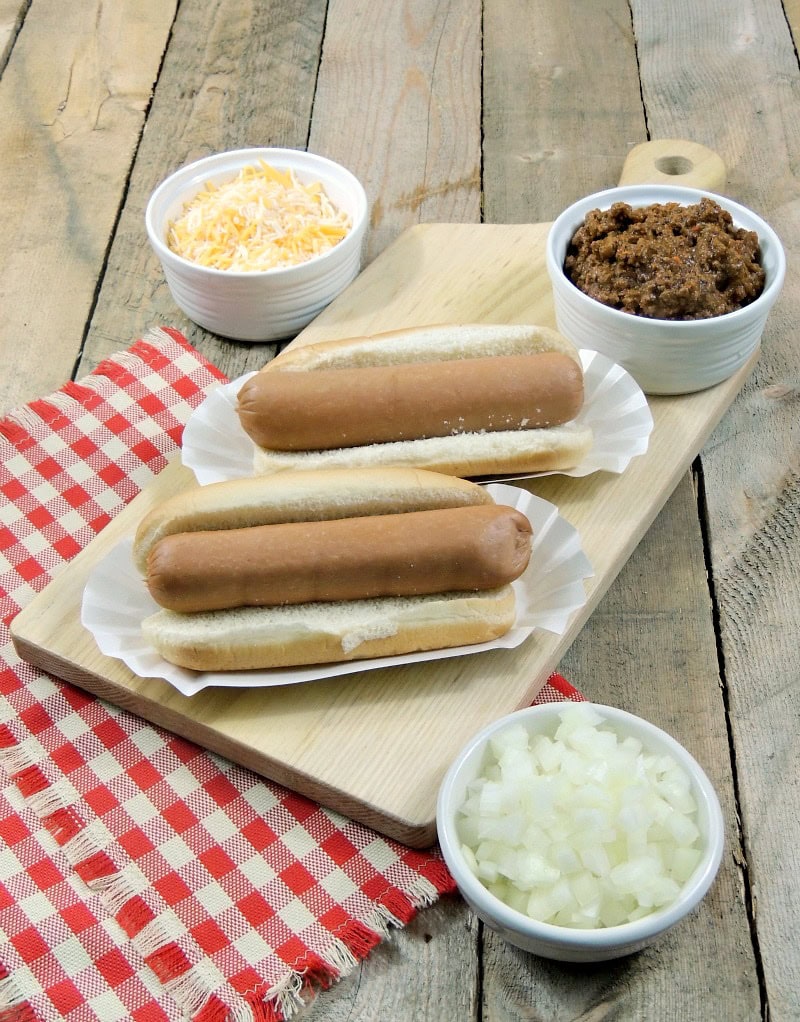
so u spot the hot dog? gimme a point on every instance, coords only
(466, 400)
(325, 565)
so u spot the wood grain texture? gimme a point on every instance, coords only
(558, 121)
(651, 647)
(73, 99)
(12, 14)
(398, 102)
(791, 9)
(430, 971)
(628, 654)
(750, 466)
(235, 75)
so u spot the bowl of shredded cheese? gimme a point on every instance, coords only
(254, 243)
(579, 832)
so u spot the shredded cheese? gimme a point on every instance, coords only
(263, 219)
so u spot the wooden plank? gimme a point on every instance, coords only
(398, 102)
(73, 99)
(747, 67)
(12, 14)
(234, 75)
(561, 104)
(428, 973)
(567, 87)
(428, 173)
(565, 115)
(650, 647)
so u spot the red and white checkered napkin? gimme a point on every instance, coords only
(142, 877)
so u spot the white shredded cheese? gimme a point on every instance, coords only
(263, 219)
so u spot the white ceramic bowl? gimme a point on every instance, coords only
(268, 305)
(663, 356)
(560, 942)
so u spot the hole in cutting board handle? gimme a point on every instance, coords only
(674, 161)
(674, 166)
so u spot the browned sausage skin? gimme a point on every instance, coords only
(356, 406)
(417, 553)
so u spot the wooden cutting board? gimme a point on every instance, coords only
(375, 744)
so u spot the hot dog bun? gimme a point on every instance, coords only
(248, 638)
(241, 638)
(491, 450)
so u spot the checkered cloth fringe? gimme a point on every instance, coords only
(141, 877)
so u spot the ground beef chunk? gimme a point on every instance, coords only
(666, 261)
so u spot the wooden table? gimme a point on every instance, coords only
(502, 112)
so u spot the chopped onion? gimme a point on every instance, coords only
(582, 828)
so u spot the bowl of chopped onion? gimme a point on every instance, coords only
(579, 832)
(254, 243)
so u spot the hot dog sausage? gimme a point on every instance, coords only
(415, 553)
(352, 407)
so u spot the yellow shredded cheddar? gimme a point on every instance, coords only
(263, 219)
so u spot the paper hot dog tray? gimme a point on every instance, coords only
(549, 593)
(376, 744)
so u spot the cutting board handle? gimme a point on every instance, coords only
(674, 161)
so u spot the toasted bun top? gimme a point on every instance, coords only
(424, 344)
(307, 496)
